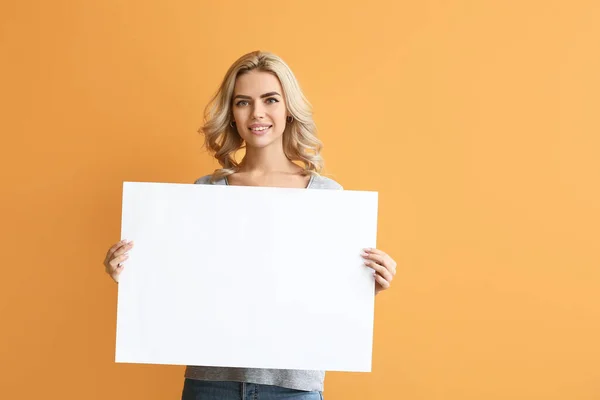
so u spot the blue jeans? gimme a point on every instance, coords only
(194, 389)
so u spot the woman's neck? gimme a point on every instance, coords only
(266, 160)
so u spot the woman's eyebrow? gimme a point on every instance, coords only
(241, 96)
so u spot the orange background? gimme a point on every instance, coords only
(477, 122)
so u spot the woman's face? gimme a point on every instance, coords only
(259, 108)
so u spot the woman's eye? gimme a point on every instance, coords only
(244, 102)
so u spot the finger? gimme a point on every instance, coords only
(381, 270)
(117, 249)
(385, 284)
(375, 257)
(123, 249)
(114, 248)
(115, 274)
(114, 263)
(386, 261)
(375, 251)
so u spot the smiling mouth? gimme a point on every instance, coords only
(261, 130)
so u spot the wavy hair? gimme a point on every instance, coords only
(300, 141)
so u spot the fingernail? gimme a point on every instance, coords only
(363, 254)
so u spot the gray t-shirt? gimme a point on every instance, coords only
(307, 380)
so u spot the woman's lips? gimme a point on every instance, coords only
(260, 132)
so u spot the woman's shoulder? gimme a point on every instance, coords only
(323, 182)
(205, 180)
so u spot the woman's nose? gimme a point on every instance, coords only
(258, 111)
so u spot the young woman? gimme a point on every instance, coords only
(260, 107)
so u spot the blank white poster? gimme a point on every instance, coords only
(254, 277)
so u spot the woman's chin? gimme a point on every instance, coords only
(259, 141)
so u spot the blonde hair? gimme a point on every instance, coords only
(300, 142)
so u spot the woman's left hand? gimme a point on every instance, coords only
(383, 265)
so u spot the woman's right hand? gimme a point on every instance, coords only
(115, 257)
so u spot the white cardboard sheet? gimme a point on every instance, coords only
(252, 277)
